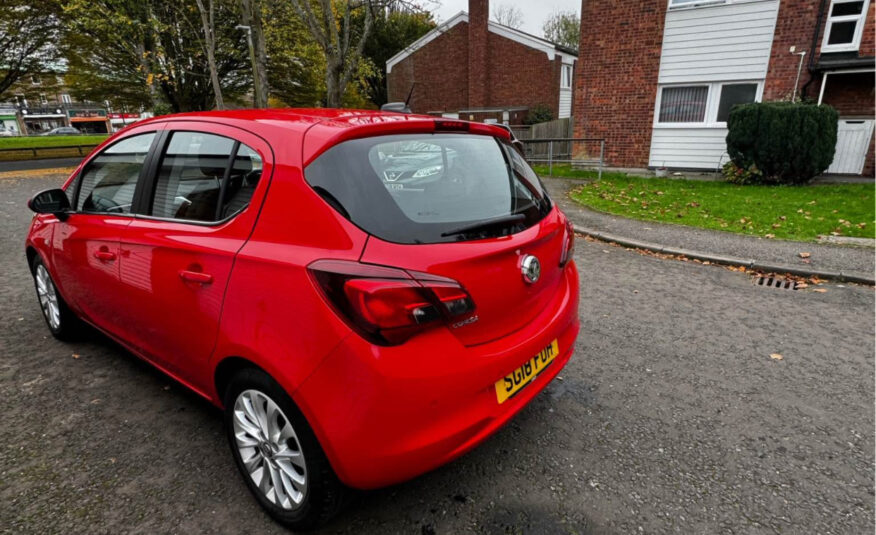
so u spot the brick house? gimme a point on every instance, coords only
(40, 102)
(659, 77)
(473, 68)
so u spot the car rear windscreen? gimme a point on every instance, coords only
(430, 188)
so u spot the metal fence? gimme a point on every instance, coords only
(576, 151)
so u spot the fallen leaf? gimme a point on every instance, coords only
(776, 356)
(819, 290)
(782, 217)
(805, 255)
(769, 236)
(75, 355)
(802, 285)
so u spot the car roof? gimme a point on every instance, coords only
(326, 127)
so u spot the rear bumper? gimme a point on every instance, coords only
(387, 414)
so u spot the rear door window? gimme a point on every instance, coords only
(430, 188)
(204, 177)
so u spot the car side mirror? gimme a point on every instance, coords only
(51, 201)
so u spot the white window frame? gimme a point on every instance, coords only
(36, 80)
(713, 100)
(566, 75)
(675, 5)
(860, 20)
(682, 4)
(65, 98)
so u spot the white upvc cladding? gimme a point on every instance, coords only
(708, 45)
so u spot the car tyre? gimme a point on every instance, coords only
(61, 321)
(269, 436)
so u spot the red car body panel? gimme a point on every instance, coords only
(382, 414)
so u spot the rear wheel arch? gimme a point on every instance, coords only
(227, 369)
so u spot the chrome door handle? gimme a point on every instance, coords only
(196, 276)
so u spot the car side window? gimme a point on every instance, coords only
(198, 180)
(109, 181)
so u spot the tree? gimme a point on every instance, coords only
(108, 46)
(295, 63)
(392, 31)
(563, 28)
(29, 30)
(252, 16)
(209, 25)
(508, 15)
(336, 37)
(153, 51)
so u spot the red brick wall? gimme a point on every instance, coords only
(851, 94)
(794, 27)
(441, 76)
(868, 40)
(616, 77)
(478, 53)
(522, 76)
(516, 75)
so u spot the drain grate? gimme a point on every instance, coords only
(776, 282)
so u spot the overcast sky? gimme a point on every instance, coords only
(534, 12)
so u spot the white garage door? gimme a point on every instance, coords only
(852, 142)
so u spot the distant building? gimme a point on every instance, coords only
(472, 68)
(657, 78)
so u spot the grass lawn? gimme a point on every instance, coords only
(49, 141)
(782, 212)
(46, 146)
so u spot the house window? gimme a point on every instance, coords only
(43, 99)
(845, 24)
(35, 80)
(703, 104)
(65, 98)
(684, 104)
(566, 77)
(732, 94)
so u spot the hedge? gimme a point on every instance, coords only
(782, 142)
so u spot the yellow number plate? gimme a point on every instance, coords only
(514, 381)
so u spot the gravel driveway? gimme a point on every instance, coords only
(671, 418)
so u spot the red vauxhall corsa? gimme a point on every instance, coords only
(368, 295)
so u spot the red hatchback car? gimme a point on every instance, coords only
(368, 295)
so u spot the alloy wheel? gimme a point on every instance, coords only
(48, 297)
(270, 449)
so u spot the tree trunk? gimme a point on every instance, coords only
(251, 13)
(334, 83)
(210, 46)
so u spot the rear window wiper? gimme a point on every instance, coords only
(486, 224)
